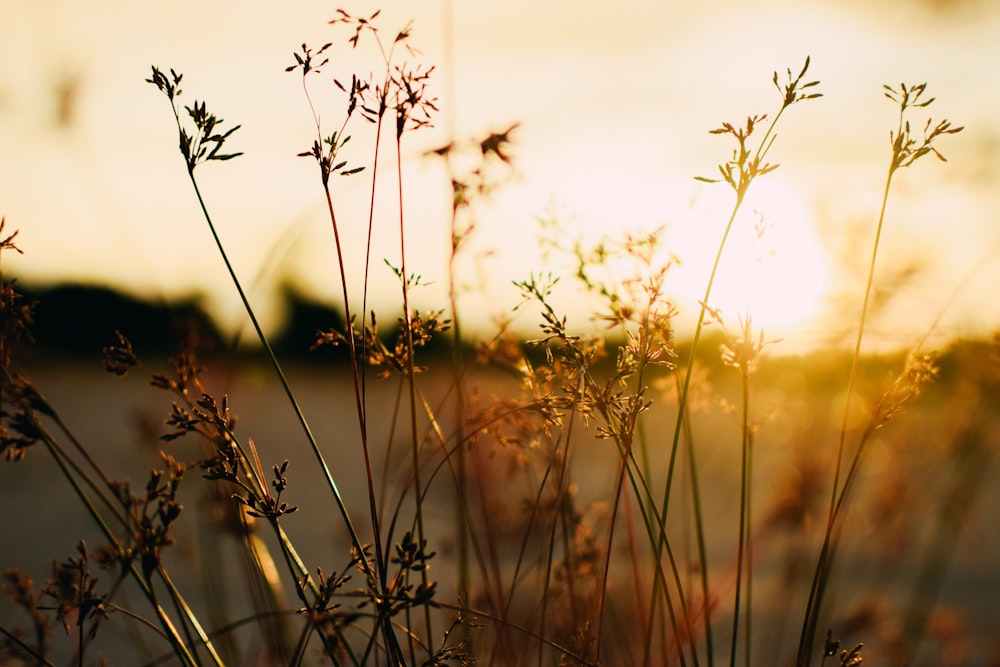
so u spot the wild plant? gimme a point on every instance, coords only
(907, 148)
(644, 314)
(745, 167)
(537, 560)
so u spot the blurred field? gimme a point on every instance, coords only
(918, 560)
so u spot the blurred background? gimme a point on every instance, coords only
(614, 106)
(613, 110)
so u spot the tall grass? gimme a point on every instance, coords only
(540, 569)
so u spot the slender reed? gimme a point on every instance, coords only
(906, 149)
(204, 145)
(739, 173)
(742, 353)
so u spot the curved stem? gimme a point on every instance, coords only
(682, 408)
(837, 494)
(314, 445)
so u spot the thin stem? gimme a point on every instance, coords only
(368, 254)
(749, 168)
(458, 361)
(905, 151)
(461, 463)
(17, 641)
(855, 359)
(744, 504)
(748, 606)
(313, 444)
(692, 463)
(178, 644)
(380, 580)
(626, 439)
(837, 495)
(612, 521)
(410, 373)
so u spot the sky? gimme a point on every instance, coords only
(614, 107)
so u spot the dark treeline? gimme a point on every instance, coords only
(80, 320)
(73, 320)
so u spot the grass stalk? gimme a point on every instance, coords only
(411, 373)
(179, 646)
(28, 650)
(286, 387)
(817, 589)
(743, 358)
(906, 149)
(70, 471)
(619, 429)
(739, 173)
(194, 149)
(463, 579)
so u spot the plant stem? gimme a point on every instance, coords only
(410, 375)
(744, 519)
(180, 648)
(692, 464)
(838, 495)
(747, 176)
(331, 483)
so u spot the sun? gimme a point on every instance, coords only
(773, 268)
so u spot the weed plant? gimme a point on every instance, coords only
(540, 568)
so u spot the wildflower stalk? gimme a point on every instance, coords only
(461, 462)
(464, 187)
(406, 90)
(644, 349)
(28, 650)
(411, 370)
(743, 519)
(563, 491)
(122, 508)
(906, 149)
(33, 404)
(458, 361)
(195, 151)
(619, 428)
(179, 645)
(314, 445)
(739, 173)
(215, 425)
(742, 354)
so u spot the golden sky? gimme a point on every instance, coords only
(615, 103)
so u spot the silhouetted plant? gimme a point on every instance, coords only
(545, 570)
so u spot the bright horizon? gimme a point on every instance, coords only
(614, 112)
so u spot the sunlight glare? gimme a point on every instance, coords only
(773, 267)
